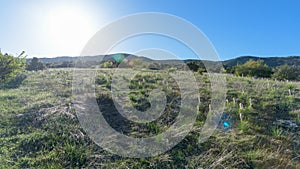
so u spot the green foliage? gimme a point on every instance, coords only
(271, 61)
(100, 80)
(276, 132)
(298, 119)
(286, 72)
(10, 66)
(201, 70)
(75, 155)
(254, 69)
(35, 65)
(108, 64)
(39, 128)
(244, 126)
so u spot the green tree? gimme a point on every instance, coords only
(286, 72)
(35, 65)
(10, 66)
(253, 68)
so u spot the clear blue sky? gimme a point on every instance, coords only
(45, 28)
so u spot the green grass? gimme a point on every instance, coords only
(39, 127)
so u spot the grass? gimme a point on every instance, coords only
(39, 127)
(298, 119)
(244, 126)
(277, 132)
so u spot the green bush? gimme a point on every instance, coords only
(10, 67)
(254, 69)
(287, 72)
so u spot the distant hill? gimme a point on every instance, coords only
(270, 61)
(86, 58)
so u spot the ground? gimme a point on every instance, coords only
(40, 129)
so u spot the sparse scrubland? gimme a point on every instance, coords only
(39, 127)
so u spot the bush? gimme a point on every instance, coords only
(10, 67)
(193, 66)
(254, 69)
(35, 65)
(16, 82)
(286, 72)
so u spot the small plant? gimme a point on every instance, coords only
(298, 119)
(75, 155)
(107, 85)
(100, 80)
(276, 132)
(255, 154)
(244, 126)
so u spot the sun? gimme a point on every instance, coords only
(68, 29)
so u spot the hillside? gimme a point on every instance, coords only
(74, 58)
(270, 61)
(40, 129)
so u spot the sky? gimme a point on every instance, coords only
(44, 28)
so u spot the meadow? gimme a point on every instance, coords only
(39, 127)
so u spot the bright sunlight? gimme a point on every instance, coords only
(69, 28)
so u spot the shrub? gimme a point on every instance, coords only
(10, 66)
(286, 72)
(193, 66)
(17, 81)
(254, 69)
(108, 64)
(35, 65)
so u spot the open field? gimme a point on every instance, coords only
(39, 127)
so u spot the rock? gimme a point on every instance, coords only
(286, 123)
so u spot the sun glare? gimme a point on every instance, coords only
(68, 29)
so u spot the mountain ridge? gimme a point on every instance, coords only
(270, 61)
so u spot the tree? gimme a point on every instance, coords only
(286, 72)
(253, 68)
(10, 66)
(193, 66)
(35, 65)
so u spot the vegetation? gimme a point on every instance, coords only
(270, 61)
(10, 67)
(286, 72)
(254, 69)
(39, 127)
(193, 66)
(109, 64)
(35, 65)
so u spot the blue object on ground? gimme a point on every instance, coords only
(226, 124)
